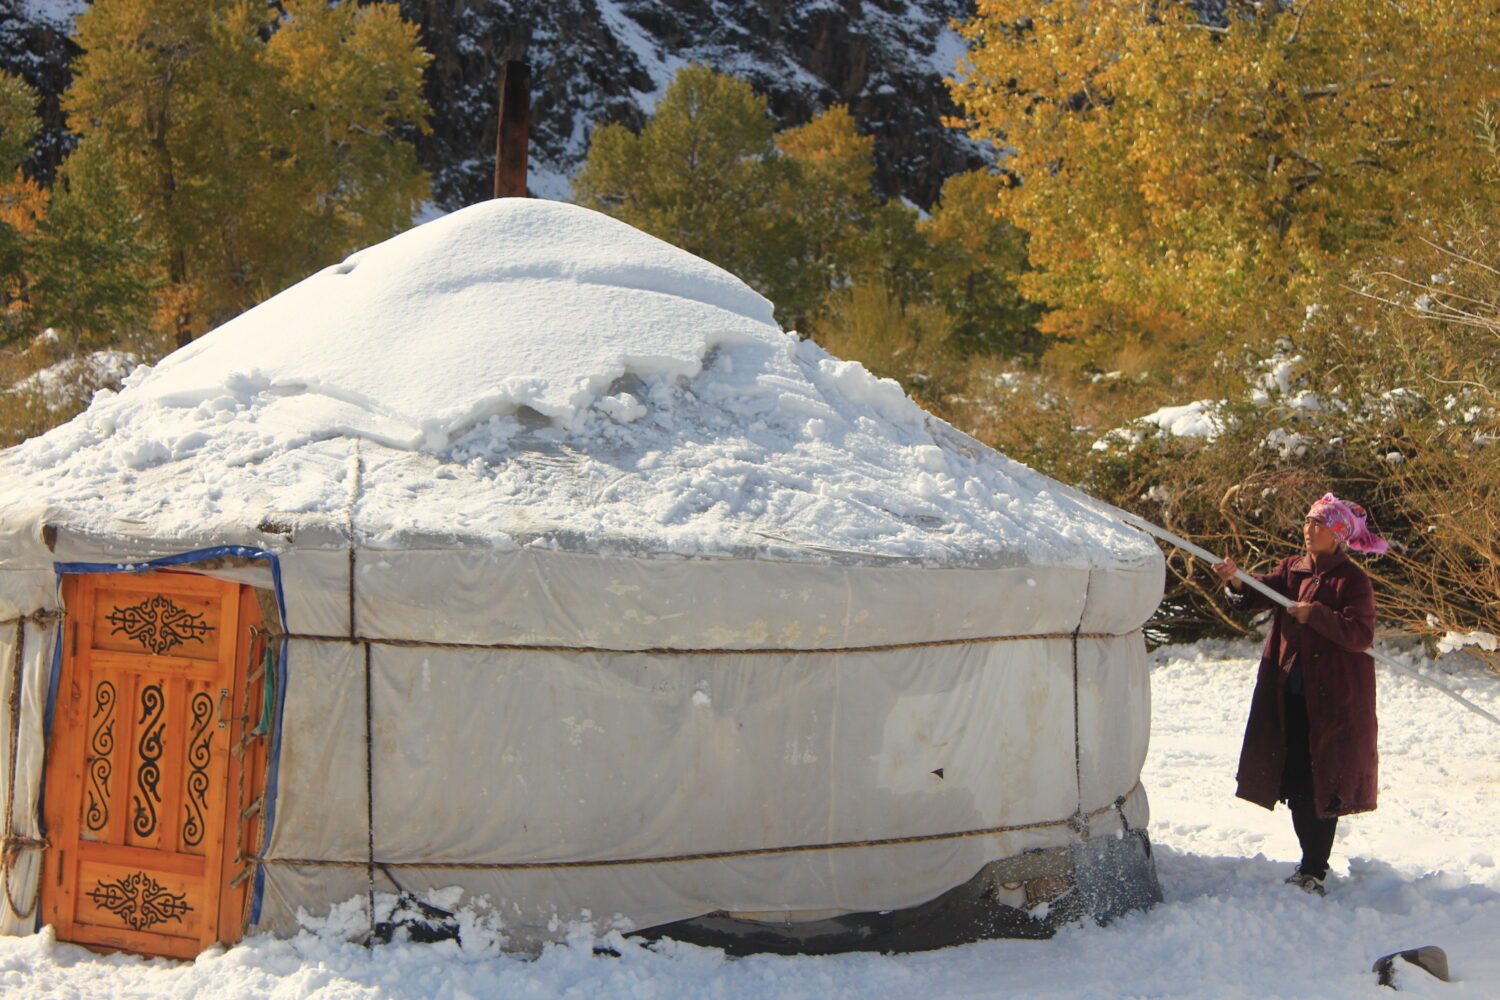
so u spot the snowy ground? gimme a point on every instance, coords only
(1422, 870)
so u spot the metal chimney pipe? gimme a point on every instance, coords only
(512, 138)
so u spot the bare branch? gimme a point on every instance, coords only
(1459, 256)
(1459, 381)
(1334, 89)
(1297, 28)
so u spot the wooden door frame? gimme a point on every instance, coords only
(229, 881)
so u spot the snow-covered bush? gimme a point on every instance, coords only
(46, 384)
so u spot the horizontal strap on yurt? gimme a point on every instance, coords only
(750, 852)
(675, 651)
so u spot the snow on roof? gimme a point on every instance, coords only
(528, 372)
(508, 303)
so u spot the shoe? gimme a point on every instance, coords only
(1307, 882)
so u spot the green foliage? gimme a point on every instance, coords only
(18, 121)
(703, 174)
(910, 342)
(18, 127)
(975, 260)
(74, 267)
(254, 146)
(90, 262)
(795, 215)
(846, 234)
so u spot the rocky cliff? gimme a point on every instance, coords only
(611, 60)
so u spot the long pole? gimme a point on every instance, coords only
(512, 134)
(1250, 581)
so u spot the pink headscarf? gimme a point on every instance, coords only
(1347, 520)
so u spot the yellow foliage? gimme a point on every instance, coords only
(909, 342)
(23, 204)
(1200, 181)
(792, 214)
(831, 148)
(975, 259)
(255, 144)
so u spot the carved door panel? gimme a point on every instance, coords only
(150, 763)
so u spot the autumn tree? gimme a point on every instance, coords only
(90, 266)
(973, 263)
(62, 265)
(846, 233)
(703, 174)
(1182, 178)
(793, 214)
(256, 142)
(21, 201)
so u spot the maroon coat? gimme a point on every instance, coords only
(1338, 680)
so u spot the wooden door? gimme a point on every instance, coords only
(153, 767)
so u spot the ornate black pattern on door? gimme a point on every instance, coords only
(200, 756)
(139, 900)
(101, 745)
(158, 624)
(148, 772)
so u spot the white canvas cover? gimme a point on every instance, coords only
(696, 525)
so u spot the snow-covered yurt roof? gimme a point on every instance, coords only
(530, 373)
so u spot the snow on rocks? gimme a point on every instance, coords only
(532, 373)
(59, 12)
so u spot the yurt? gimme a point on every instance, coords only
(522, 557)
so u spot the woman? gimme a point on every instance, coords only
(1310, 739)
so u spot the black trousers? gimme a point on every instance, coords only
(1314, 834)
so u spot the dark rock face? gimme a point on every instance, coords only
(609, 60)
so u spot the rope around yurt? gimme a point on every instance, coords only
(1074, 822)
(1079, 822)
(536, 647)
